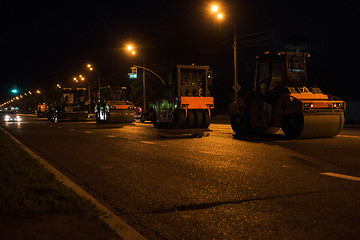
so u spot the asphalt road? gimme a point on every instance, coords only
(195, 184)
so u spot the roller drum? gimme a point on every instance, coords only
(121, 116)
(312, 125)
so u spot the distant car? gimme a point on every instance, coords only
(138, 112)
(11, 117)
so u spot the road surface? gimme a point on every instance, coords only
(208, 184)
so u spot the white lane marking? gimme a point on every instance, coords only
(147, 142)
(124, 230)
(87, 132)
(349, 136)
(110, 136)
(338, 175)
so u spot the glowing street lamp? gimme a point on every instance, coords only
(38, 92)
(215, 10)
(131, 50)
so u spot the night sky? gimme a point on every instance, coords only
(48, 42)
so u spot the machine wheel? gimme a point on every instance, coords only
(292, 125)
(154, 121)
(240, 124)
(206, 119)
(190, 120)
(179, 119)
(198, 119)
(142, 118)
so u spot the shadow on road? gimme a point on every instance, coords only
(165, 134)
(261, 138)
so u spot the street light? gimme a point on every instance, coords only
(130, 49)
(82, 78)
(91, 68)
(215, 10)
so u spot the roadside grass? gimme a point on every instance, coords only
(26, 188)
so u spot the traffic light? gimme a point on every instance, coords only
(133, 73)
(14, 90)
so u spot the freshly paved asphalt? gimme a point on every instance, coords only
(196, 184)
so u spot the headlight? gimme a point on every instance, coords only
(7, 117)
(18, 118)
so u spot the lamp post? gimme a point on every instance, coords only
(91, 68)
(130, 49)
(215, 10)
(82, 78)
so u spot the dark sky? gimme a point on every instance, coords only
(46, 42)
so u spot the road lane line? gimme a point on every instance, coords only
(110, 136)
(87, 132)
(71, 129)
(341, 176)
(349, 136)
(124, 230)
(146, 142)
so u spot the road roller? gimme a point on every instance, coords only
(71, 104)
(186, 102)
(279, 98)
(112, 107)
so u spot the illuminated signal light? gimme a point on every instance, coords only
(308, 105)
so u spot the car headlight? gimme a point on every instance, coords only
(7, 117)
(18, 118)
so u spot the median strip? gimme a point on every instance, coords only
(338, 175)
(112, 220)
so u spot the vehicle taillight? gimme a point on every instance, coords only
(308, 105)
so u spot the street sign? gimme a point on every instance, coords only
(236, 87)
(134, 70)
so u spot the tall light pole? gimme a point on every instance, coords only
(215, 9)
(91, 68)
(130, 49)
(82, 78)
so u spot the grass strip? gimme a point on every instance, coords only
(26, 188)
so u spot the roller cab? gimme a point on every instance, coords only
(187, 102)
(280, 99)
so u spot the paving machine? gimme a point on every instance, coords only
(41, 110)
(187, 101)
(70, 105)
(279, 98)
(112, 106)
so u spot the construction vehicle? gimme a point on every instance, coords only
(279, 98)
(187, 102)
(113, 107)
(41, 110)
(70, 105)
